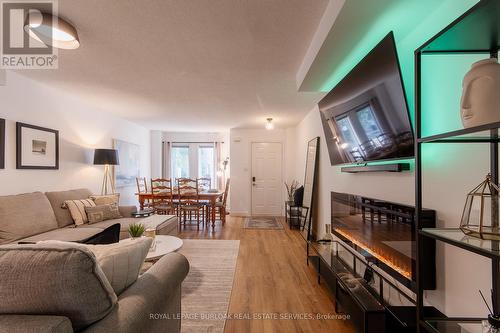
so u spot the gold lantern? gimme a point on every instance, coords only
(480, 215)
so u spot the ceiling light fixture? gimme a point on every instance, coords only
(269, 124)
(51, 30)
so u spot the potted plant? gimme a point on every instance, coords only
(290, 189)
(136, 230)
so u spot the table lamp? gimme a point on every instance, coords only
(107, 157)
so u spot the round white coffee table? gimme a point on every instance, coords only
(164, 245)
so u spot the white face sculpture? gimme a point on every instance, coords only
(480, 102)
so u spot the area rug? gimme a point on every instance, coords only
(206, 291)
(262, 223)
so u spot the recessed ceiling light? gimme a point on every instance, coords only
(269, 124)
(51, 30)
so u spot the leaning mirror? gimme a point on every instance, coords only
(309, 186)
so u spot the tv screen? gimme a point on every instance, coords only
(365, 117)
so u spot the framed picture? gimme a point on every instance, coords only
(2, 143)
(36, 147)
(129, 155)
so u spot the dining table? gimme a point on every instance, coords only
(208, 196)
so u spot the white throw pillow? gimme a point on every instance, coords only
(77, 210)
(121, 262)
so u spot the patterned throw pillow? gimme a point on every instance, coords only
(102, 213)
(77, 209)
(106, 199)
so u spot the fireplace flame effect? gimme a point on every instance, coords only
(387, 258)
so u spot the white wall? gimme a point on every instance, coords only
(82, 127)
(156, 154)
(241, 163)
(196, 137)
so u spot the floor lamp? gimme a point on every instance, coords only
(107, 157)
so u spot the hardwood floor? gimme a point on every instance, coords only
(272, 282)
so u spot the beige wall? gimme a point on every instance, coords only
(82, 127)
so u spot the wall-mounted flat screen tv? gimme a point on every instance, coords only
(365, 116)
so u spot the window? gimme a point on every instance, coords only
(369, 122)
(347, 133)
(206, 162)
(193, 160)
(180, 161)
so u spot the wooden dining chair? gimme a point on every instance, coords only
(205, 184)
(220, 206)
(142, 187)
(188, 199)
(163, 203)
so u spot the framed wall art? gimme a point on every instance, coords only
(130, 167)
(36, 147)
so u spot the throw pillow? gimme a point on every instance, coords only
(102, 213)
(77, 210)
(121, 262)
(54, 278)
(106, 199)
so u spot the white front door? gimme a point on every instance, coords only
(267, 187)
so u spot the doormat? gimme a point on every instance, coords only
(263, 222)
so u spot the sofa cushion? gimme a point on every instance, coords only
(64, 234)
(108, 199)
(102, 213)
(54, 278)
(121, 262)
(126, 211)
(169, 227)
(164, 224)
(34, 324)
(57, 199)
(24, 215)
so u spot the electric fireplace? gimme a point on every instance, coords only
(384, 233)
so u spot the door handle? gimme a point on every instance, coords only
(253, 181)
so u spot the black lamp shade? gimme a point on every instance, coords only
(106, 156)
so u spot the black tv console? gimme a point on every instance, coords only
(353, 295)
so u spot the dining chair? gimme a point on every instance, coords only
(205, 184)
(142, 187)
(220, 206)
(188, 199)
(164, 202)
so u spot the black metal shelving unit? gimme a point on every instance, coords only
(475, 32)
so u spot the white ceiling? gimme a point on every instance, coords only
(189, 65)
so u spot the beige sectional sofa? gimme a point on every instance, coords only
(63, 291)
(50, 290)
(37, 216)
